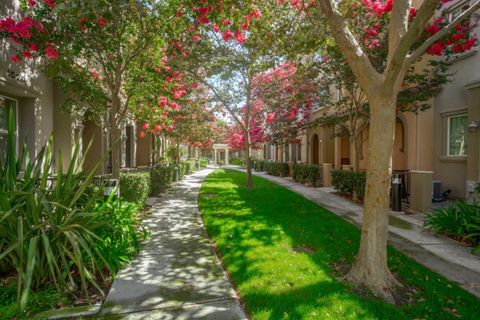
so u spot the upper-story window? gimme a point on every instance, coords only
(6, 104)
(457, 10)
(457, 128)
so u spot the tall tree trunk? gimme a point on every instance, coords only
(371, 269)
(115, 136)
(248, 163)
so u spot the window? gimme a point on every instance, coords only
(6, 104)
(457, 128)
(457, 11)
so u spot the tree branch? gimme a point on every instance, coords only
(361, 66)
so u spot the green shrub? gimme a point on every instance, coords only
(299, 172)
(203, 163)
(313, 174)
(190, 166)
(279, 169)
(135, 187)
(460, 220)
(50, 223)
(121, 231)
(182, 167)
(161, 177)
(236, 162)
(260, 165)
(346, 181)
(307, 173)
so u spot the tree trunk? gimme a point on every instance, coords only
(248, 165)
(371, 269)
(115, 136)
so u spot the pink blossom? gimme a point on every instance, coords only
(51, 52)
(227, 35)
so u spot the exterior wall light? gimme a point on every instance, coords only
(473, 126)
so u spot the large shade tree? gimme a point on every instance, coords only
(347, 109)
(407, 39)
(232, 55)
(99, 51)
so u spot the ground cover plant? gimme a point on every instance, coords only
(285, 255)
(56, 231)
(460, 221)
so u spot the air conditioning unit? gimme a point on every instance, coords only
(437, 191)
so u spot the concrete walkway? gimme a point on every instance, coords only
(177, 274)
(441, 254)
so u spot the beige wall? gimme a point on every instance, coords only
(93, 136)
(144, 147)
(473, 140)
(38, 101)
(454, 99)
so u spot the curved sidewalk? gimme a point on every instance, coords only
(177, 274)
(447, 257)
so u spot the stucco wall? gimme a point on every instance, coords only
(24, 82)
(453, 99)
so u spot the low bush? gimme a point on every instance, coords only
(346, 181)
(161, 177)
(298, 172)
(190, 166)
(135, 187)
(121, 231)
(279, 169)
(460, 221)
(203, 163)
(52, 229)
(307, 173)
(259, 165)
(236, 162)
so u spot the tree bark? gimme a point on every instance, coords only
(371, 269)
(115, 136)
(248, 164)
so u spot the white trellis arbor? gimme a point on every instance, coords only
(223, 146)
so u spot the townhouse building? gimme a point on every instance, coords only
(444, 139)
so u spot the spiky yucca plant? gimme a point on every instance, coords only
(47, 223)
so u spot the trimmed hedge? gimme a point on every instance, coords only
(203, 163)
(135, 187)
(279, 169)
(236, 162)
(349, 182)
(161, 177)
(307, 173)
(259, 165)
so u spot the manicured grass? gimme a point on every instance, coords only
(280, 249)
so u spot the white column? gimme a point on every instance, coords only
(215, 156)
(226, 156)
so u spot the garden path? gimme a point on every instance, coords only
(447, 257)
(177, 274)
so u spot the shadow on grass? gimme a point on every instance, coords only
(279, 248)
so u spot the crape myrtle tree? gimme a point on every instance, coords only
(94, 48)
(283, 100)
(286, 95)
(231, 55)
(348, 111)
(185, 122)
(407, 39)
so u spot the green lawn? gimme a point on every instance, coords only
(280, 248)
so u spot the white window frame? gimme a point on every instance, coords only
(448, 134)
(457, 8)
(5, 132)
